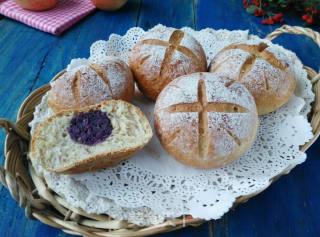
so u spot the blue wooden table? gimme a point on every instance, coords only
(29, 58)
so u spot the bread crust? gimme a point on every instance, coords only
(101, 161)
(163, 55)
(219, 141)
(96, 162)
(268, 78)
(90, 84)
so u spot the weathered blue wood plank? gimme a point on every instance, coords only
(224, 14)
(200, 231)
(19, 64)
(177, 13)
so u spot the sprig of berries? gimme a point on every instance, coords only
(272, 11)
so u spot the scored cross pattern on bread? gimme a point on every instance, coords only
(162, 55)
(171, 46)
(262, 67)
(77, 77)
(255, 51)
(101, 72)
(203, 107)
(202, 122)
(90, 83)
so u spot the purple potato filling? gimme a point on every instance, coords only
(90, 128)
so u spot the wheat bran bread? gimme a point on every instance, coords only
(52, 141)
(162, 55)
(263, 70)
(91, 84)
(204, 123)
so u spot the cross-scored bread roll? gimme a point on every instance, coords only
(263, 69)
(91, 84)
(204, 122)
(162, 55)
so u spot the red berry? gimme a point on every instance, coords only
(268, 21)
(245, 3)
(256, 2)
(278, 17)
(309, 20)
(305, 17)
(258, 12)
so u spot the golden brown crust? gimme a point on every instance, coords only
(73, 90)
(151, 75)
(100, 161)
(199, 140)
(271, 86)
(192, 159)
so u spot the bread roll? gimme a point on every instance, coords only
(162, 55)
(263, 69)
(204, 123)
(91, 138)
(91, 84)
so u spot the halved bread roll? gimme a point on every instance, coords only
(91, 138)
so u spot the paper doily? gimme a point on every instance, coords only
(151, 186)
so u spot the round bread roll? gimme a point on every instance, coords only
(204, 123)
(90, 84)
(162, 55)
(262, 68)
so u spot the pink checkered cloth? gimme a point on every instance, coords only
(55, 21)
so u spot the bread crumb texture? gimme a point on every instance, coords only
(54, 146)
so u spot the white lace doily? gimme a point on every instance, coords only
(151, 186)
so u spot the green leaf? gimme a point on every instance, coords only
(250, 9)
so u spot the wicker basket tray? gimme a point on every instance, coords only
(45, 205)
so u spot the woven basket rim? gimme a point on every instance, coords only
(45, 205)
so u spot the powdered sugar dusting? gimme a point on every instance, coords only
(234, 59)
(152, 186)
(91, 88)
(119, 75)
(229, 63)
(184, 90)
(303, 87)
(275, 77)
(151, 55)
(161, 32)
(269, 78)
